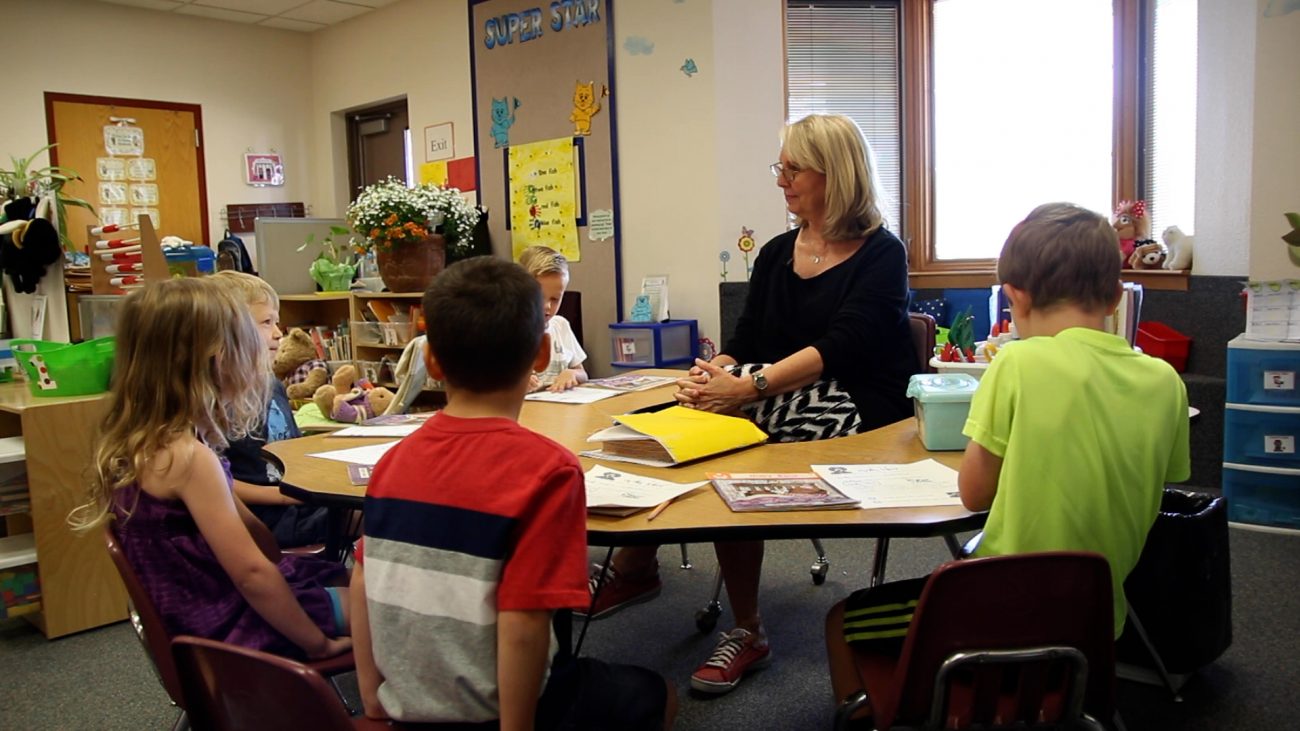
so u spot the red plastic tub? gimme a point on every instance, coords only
(1158, 340)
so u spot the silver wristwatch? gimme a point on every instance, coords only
(760, 381)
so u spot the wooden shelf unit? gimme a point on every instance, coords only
(80, 588)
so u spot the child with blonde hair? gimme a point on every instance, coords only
(256, 478)
(190, 372)
(564, 371)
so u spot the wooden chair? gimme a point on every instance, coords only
(923, 336)
(156, 640)
(1002, 642)
(231, 688)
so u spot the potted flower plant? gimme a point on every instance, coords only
(410, 230)
(333, 268)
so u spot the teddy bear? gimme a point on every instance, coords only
(347, 400)
(297, 365)
(1147, 256)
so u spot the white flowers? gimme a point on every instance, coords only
(389, 213)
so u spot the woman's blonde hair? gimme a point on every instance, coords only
(189, 361)
(539, 260)
(834, 145)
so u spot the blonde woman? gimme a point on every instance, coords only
(565, 369)
(191, 372)
(822, 349)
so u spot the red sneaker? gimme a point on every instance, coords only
(738, 653)
(619, 591)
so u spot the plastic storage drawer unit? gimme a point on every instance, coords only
(942, 402)
(1263, 372)
(1261, 435)
(1263, 495)
(653, 344)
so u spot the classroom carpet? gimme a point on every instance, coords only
(101, 679)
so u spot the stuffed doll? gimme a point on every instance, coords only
(297, 365)
(1147, 256)
(1133, 227)
(346, 400)
(28, 242)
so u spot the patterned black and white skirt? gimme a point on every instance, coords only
(820, 410)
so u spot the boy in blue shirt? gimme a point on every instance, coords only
(256, 478)
(1073, 433)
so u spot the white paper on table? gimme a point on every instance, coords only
(919, 484)
(392, 430)
(368, 455)
(611, 488)
(572, 396)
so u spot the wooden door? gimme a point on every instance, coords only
(377, 145)
(172, 138)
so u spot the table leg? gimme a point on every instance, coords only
(953, 546)
(878, 563)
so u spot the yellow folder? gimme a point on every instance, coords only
(676, 435)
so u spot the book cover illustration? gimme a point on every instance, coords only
(746, 492)
(632, 382)
(398, 419)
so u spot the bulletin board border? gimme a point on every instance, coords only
(611, 48)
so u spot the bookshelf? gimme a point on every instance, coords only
(376, 346)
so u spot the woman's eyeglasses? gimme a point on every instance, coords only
(782, 170)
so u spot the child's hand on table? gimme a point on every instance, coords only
(566, 380)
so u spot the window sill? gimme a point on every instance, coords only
(1148, 278)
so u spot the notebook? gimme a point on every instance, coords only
(673, 436)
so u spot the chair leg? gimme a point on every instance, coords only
(686, 559)
(845, 710)
(822, 566)
(878, 563)
(182, 722)
(707, 617)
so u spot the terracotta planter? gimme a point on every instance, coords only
(410, 267)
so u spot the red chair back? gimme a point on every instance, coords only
(923, 336)
(227, 687)
(1039, 600)
(148, 622)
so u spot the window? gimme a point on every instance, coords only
(843, 58)
(1003, 105)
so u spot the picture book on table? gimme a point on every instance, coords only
(673, 436)
(398, 419)
(756, 491)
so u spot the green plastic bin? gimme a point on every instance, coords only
(60, 369)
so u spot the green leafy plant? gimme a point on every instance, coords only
(333, 268)
(23, 180)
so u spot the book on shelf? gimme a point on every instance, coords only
(673, 436)
(758, 491)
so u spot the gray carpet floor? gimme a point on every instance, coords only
(101, 680)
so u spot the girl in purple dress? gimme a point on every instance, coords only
(190, 369)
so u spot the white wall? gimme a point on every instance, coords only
(252, 83)
(1275, 173)
(1224, 110)
(418, 49)
(693, 151)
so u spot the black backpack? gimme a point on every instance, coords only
(233, 255)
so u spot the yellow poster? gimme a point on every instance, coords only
(434, 172)
(543, 197)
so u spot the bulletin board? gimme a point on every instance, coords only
(545, 141)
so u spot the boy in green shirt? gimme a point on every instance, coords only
(1073, 433)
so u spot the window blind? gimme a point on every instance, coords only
(1169, 154)
(843, 58)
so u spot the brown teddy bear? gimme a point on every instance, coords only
(1150, 255)
(351, 402)
(297, 365)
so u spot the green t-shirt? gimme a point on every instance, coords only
(1089, 431)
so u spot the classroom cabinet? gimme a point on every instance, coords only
(78, 584)
(1261, 435)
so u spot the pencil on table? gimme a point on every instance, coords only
(658, 509)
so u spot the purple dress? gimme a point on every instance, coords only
(194, 594)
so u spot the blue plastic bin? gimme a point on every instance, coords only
(942, 402)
